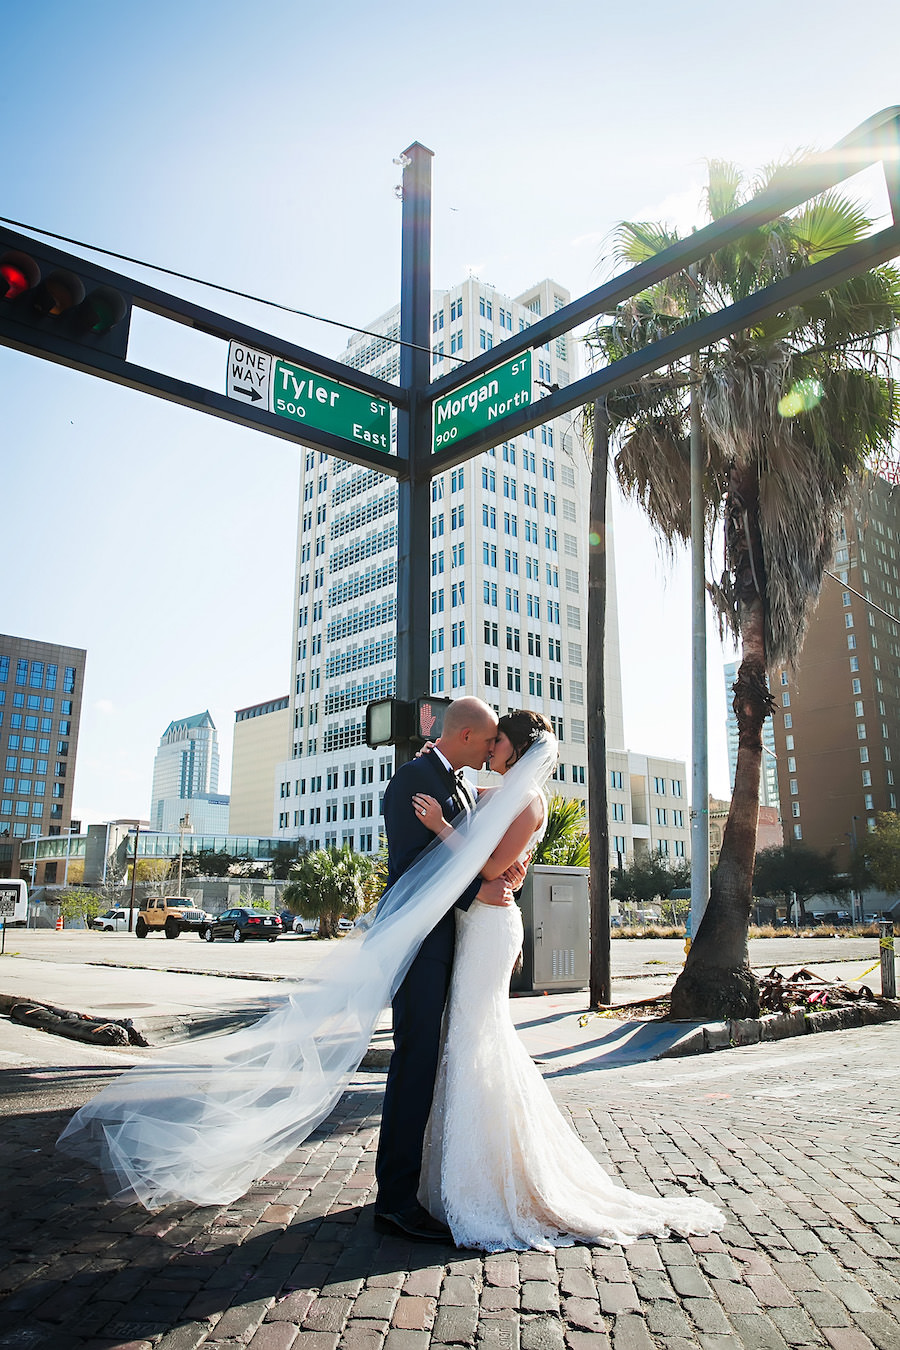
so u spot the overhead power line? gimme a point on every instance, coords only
(215, 286)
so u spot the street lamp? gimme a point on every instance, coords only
(855, 893)
(184, 827)
(134, 862)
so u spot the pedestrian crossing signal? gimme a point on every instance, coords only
(389, 720)
(429, 719)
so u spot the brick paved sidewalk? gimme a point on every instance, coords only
(796, 1141)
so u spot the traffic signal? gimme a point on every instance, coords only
(57, 305)
(390, 720)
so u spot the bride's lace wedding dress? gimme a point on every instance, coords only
(501, 1166)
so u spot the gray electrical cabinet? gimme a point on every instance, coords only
(556, 917)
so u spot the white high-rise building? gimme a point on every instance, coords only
(508, 569)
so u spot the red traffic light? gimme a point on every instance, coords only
(18, 274)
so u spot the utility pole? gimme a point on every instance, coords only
(699, 709)
(598, 811)
(413, 438)
(134, 862)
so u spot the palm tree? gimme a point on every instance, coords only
(330, 884)
(565, 840)
(790, 412)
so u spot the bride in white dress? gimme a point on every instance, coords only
(502, 1167)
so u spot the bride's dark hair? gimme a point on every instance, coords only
(523, 729)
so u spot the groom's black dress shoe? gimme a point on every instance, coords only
(415, 1225)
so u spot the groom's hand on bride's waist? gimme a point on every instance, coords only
(497, 892)
(515, 875)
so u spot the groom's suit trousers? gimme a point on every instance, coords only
(418, 1005)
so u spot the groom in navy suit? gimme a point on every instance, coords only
(469, 732)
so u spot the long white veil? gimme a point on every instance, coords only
(204, 1131)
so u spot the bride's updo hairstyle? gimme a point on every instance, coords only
(522, 730)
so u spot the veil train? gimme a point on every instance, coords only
(203, 1131)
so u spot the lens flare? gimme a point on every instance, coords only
(804, 395)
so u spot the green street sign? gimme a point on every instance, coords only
(482, 401)
(303, 396)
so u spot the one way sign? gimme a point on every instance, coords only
(249, 374)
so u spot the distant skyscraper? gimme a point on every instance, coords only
(837, 727)
(768, 778)
(186, 773)
(41, 688)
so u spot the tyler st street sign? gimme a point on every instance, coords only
(291, 391)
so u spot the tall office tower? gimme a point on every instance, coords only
(508, 565)
(186, 777)
(41, 687)
(838, 733)
(768, 778)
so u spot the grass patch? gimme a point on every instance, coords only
(765, 930)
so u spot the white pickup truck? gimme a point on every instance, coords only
(115, 921)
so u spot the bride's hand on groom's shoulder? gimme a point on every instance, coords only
(429, 745)
(429, 811)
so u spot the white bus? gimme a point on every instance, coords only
(13, 902)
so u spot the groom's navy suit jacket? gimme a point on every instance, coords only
(419, 1003)
(407, 836)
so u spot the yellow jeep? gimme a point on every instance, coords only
(169, 914)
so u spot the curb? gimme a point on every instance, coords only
(780, 1026)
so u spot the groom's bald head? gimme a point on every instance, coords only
(470, 728)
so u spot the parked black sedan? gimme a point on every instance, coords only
(239, 924)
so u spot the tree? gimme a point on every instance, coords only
(285, 857)
(565, 842)
(882, 850)
(161, 873)
(780, 870)
(330, 884)
(213, 863)
(651, 878)
(84, 905)
(790, 410)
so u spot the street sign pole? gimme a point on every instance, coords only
(414, 438)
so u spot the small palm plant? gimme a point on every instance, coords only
(330, 884)
(565, 842)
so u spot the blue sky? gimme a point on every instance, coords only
(254, 146)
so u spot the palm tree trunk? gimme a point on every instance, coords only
(717, 981)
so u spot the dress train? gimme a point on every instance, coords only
(502, 1167)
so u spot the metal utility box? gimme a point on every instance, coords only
(556, 915)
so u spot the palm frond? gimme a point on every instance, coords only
(634, 241)
(724, 189)
(827, 224)
(565, 842)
